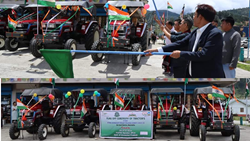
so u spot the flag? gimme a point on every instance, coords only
(116, 80)
(52, 81)
(163, 17)
(60, 62)
(116, 14)
(119, 101)
(51, 3)
(12, 23)
(234, 95)
(186, 81)
(20, 105)
(84, 109)
(216, 92)
(159, 112)
(247, 91)
(182, 12)
(170, 6)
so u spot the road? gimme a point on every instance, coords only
(21, 63)
(162, 135)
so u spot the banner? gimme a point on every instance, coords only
(126, 124)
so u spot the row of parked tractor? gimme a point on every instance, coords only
(69, 24)
(50, 107)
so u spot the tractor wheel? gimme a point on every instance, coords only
(236, 134)
(182, 131)
(183, 120)
(92, 36)
(202, 133)
(35, 48)
(78, 129)
(136, 58)
(14, 132)
(71, 45)
(32, 130)
(97, 46)
(64, 130)
(58, 120)
(2, 42)
(154, 132)
(194, 123)
(92, 130)
(228, 133)
(144, 41)
(42, 132)
(11, 44)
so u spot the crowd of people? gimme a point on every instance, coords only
(206, 52)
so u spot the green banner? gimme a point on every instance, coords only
(126, 124)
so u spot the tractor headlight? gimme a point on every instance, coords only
(52, 25)
(44, 26)
(19, 25)
(121, 28)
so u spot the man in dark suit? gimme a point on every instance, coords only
(203, 46)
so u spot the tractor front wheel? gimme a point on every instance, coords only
(236, 134)
(64, 130)
(42, 132)
(98, 56)
(92, 130)
(14, 132)
(71, 45)
(182, 131)
(202, 133)
(2, 42)
(35, 48)
(11, 44)
(136, 58)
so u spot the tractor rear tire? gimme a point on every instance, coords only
(98, 56)
(42, 132)
(14, 132)
(182, 131)
(92, 36)
(202, 133)
(65, 130)
(194, 123)
(71, 45)
(136, 58)
(236, 134)
(2, 42)
(92, 130)
(11, 45)
(144, 41)
(35, 48)
(57, 122)
(78, 129)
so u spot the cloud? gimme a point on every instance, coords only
(190, 5)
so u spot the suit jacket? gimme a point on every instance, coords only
(207, 57)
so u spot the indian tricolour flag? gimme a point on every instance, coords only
(12, 23)
(84, 109)
(170, 6)
(116, 80)
(116, 14)
(119, 101)
(20, 105)
(51, 3)
(216, 92)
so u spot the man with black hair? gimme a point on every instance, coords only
(177, 24)
(169, 28)
(231, 47)
(203, 46)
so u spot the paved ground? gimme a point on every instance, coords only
(22, 64)
(169, 135)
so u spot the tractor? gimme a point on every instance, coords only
(124, 35)
(134, 99)
(82, 110)
(41, 111)
(25, 29)
(5, 10)
(169, 110)
(212, 113)
(71, 24)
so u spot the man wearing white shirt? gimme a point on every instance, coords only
(203, 46)
(170, 26)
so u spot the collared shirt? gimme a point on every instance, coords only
(167, 41)
(198, 35)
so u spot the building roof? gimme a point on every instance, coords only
(243, 101)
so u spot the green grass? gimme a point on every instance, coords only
(243, 66)
(238, 118)
(248, 62)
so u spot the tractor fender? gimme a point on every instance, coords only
(144, 28)
(92, 22)
(229, 112)
(195, 111)
(57, 110)
(104, 106)
(182, 109)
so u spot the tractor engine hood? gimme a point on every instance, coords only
(57, 21)
(28, 21)
(117, 23)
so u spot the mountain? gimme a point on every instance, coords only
(150, 14)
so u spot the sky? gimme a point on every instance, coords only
(190, 5)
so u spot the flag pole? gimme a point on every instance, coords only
(248, 32)
(37, 17)
(167, 11)
(246, 101)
